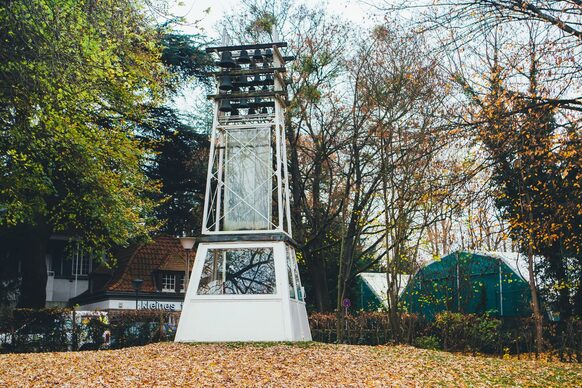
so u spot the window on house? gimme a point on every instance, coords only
(81, 263)
(49, 265)
(238, 271)
(182, 278)
(168, 282)
(69, 258)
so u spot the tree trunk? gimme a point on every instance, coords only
(393, 311)
(346, 256)
(32, 255)
(577, 307)
(556, 262)
(316, 268)
(295, 179)
(537, 314)
(392, 267)
(339, 311)
(318, 274)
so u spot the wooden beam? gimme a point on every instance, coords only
(246, 47)
(258, 70)
(260, 93)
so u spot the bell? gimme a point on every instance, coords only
(225, 106)
(251, 89)
(234, 112)
(252, 111)
(243, 103)
(225, 83)
(257, 55)
(264, 111)
(226, 60)
(244, 57)
(257, 102)
(268, 53)
(269, 79)
(242, 81)
(257, 80)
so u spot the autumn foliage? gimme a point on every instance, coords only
(174, 365)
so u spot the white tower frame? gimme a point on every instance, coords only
(215, 184)
(245, 283)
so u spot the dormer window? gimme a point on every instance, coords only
(168, 282)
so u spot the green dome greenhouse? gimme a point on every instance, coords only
(471, 282)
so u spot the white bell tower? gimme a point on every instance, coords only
(245, 283)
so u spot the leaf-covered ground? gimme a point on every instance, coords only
(169, 364)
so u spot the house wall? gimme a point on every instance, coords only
(61, 290)
(67, 270)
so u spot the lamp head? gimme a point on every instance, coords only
(187, 242)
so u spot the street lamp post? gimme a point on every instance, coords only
(136, 286)
(187, 244)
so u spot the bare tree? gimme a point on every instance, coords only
(417, 175)
(400, 172)
(462, 29)
(314, 123)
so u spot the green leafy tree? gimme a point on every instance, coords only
(74, 80)
(180, 144)
(178, 162)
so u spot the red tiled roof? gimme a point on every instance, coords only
(141, 261)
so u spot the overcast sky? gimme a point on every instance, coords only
(202, 17)
(195, 12)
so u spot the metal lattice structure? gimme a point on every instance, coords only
(247, 187)
(245, 284)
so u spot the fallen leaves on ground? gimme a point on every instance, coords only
(313, 364)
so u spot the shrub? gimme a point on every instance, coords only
(484, 334)
(369, 328)
(452, 330)
(46, 330)
(427, 342)
(140, 327)
(56, 329)
(90, 331)
(468, 332)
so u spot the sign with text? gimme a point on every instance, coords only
(159, 305)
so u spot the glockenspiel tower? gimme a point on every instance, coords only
(245, 283)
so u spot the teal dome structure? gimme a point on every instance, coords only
(470, 282)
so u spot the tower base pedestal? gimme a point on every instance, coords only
(244, 291)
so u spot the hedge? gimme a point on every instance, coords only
(455, 332)
(57, 329)
(63, 329)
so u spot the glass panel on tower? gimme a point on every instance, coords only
(238, 271)
(248, 179)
